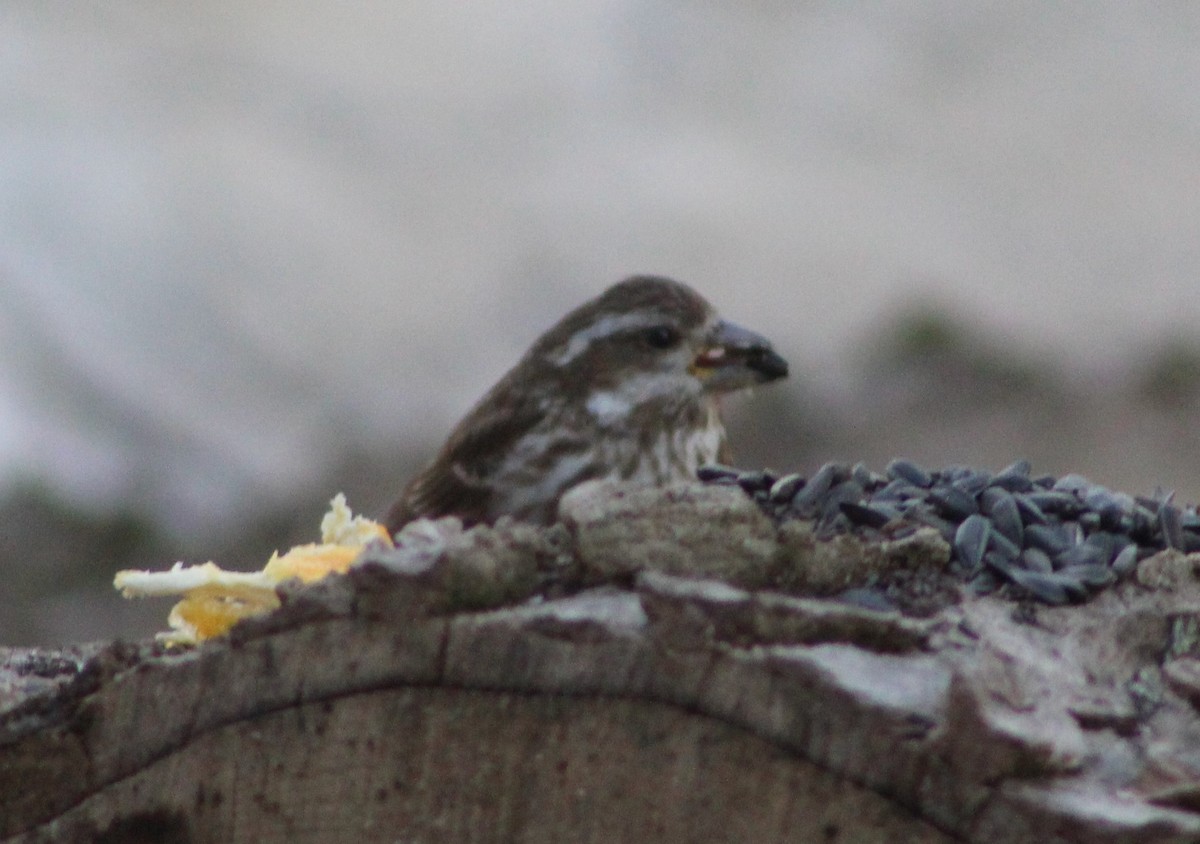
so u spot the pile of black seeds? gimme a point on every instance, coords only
(1054, 539)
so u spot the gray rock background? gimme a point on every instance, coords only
(251, 255)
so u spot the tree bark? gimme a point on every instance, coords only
(518, 684)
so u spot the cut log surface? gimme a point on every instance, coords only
(588, 683)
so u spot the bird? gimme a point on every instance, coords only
(627, 386)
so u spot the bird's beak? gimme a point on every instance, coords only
(734, 357)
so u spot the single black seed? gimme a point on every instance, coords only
(1125, 561)
(906, 470)
(1035, 559)
(786, 487)
(1048, 538)
(1044, 587)
(1003, 545)
(1112, 518)
(845, 491)
(1102, 498)
(863, 476)
(1000, 563)
(716, 472)
(1072, 483)
(866, 514)
(1056, 502)
(1012, 482)
(999, 505)
(832, 523)
(1021, 468)
(807, 502)
(1081, 555)
(1074, 586)
(1172, 529)
(971, 540)
(953, 473)
(973, 484)
(831, 515)
(928, 518)
(1145, 522)
(1030, 512)
(753, 482)
(1108, 544)
(1094, 577)
(953, 502)
(1044, 481)
(897, 490)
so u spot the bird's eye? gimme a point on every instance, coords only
(661, 336)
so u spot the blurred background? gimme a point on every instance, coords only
(255, 253)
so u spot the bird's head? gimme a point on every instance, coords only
(623, 386)
(649, 338)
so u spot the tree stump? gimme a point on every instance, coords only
(592, 682)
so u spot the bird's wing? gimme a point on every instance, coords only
(458, 482)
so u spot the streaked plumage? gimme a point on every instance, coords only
(625, 386)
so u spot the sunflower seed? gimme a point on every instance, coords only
(1094, 577)
(1012, 482)
(1044, 587)
(870, 515)
(1035, 559)
(807, 500)
(973, 484)
(1030, 511)
(971, 540)
(1107, 544)
(906, 470)
(925, 517)
(1171, 526)
(843, 493)
(999, 505)
(953, 502)
(716, 473)
(898, 490)
(1048, 538)
(1072, 483)
(1080, 555)
(1014, 477)
(864, 477)
(1056, 502)
(1126, 561)
(753, 482)
(1000, 563)
(786, 487)
(1053, 588)
(1001, 544)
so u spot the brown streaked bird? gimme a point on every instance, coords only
(625, 386)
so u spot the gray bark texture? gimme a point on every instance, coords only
(663, 665)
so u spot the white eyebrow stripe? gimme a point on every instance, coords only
(603, 327)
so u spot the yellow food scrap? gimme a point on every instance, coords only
(209, 611)
(214, 599)
(341, 527)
